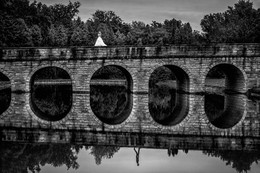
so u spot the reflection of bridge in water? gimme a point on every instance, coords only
(85, 71)
(25, 149)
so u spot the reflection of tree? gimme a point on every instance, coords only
(172, 152)
(51, 73)
(5, 99)
(161, 93)
(239, 160)
(51, 100)
(216, 73)
(109, 72)
(108, 101)
(137, 156)
(214, 106)
(19, 157)
(161, 101)
(100, 152)
(161, 74)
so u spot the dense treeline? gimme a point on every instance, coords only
(25, 23)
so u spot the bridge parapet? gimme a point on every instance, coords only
(112, 52)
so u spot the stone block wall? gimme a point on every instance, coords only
(81, 63)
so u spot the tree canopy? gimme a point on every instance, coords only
(240, 23)
(25, 23)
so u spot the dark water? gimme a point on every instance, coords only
(112, 105)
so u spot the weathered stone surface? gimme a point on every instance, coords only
(19, 65)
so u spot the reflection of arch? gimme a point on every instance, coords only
(110, 98)
(225, 111)
(124, 74)
(51, 93)
(234, 77)
(167, 105)
(5, 93)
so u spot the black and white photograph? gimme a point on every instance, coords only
(129, 86)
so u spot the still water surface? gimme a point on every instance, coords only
(75, 158)
(152, 161)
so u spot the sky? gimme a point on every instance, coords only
(191, 11)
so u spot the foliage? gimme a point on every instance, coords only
(240, 23)
(35, 24)
(21, 157)
(239, 160)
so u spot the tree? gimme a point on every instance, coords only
(120, 38)
(36, 35)
(63, 14)
(238, 24)
(107, 17)
(80, 36)
(171, 26)
(57, 35)
(17, 33)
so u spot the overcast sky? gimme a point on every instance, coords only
(191, 11)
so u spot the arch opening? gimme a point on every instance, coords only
(51, 93)
(110, 94)
(5, 93)
(226, 76)
(168, 103)
(225, 111)
(224, 105)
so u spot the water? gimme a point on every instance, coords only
(51, 157)
(41, 150)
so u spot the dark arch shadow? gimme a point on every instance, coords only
(110, 94)
(51, 93)
(168, 103)
(234, 78)
(225, 108)
(5, 93)
(224, 111)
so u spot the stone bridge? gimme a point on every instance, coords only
(240, 64)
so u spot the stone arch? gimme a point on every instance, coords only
(226, 109)
(46, 109)
(122, 94)
(168, 105)
(5, 76)
(235, 77)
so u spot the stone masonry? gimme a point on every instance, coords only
(240, 62)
